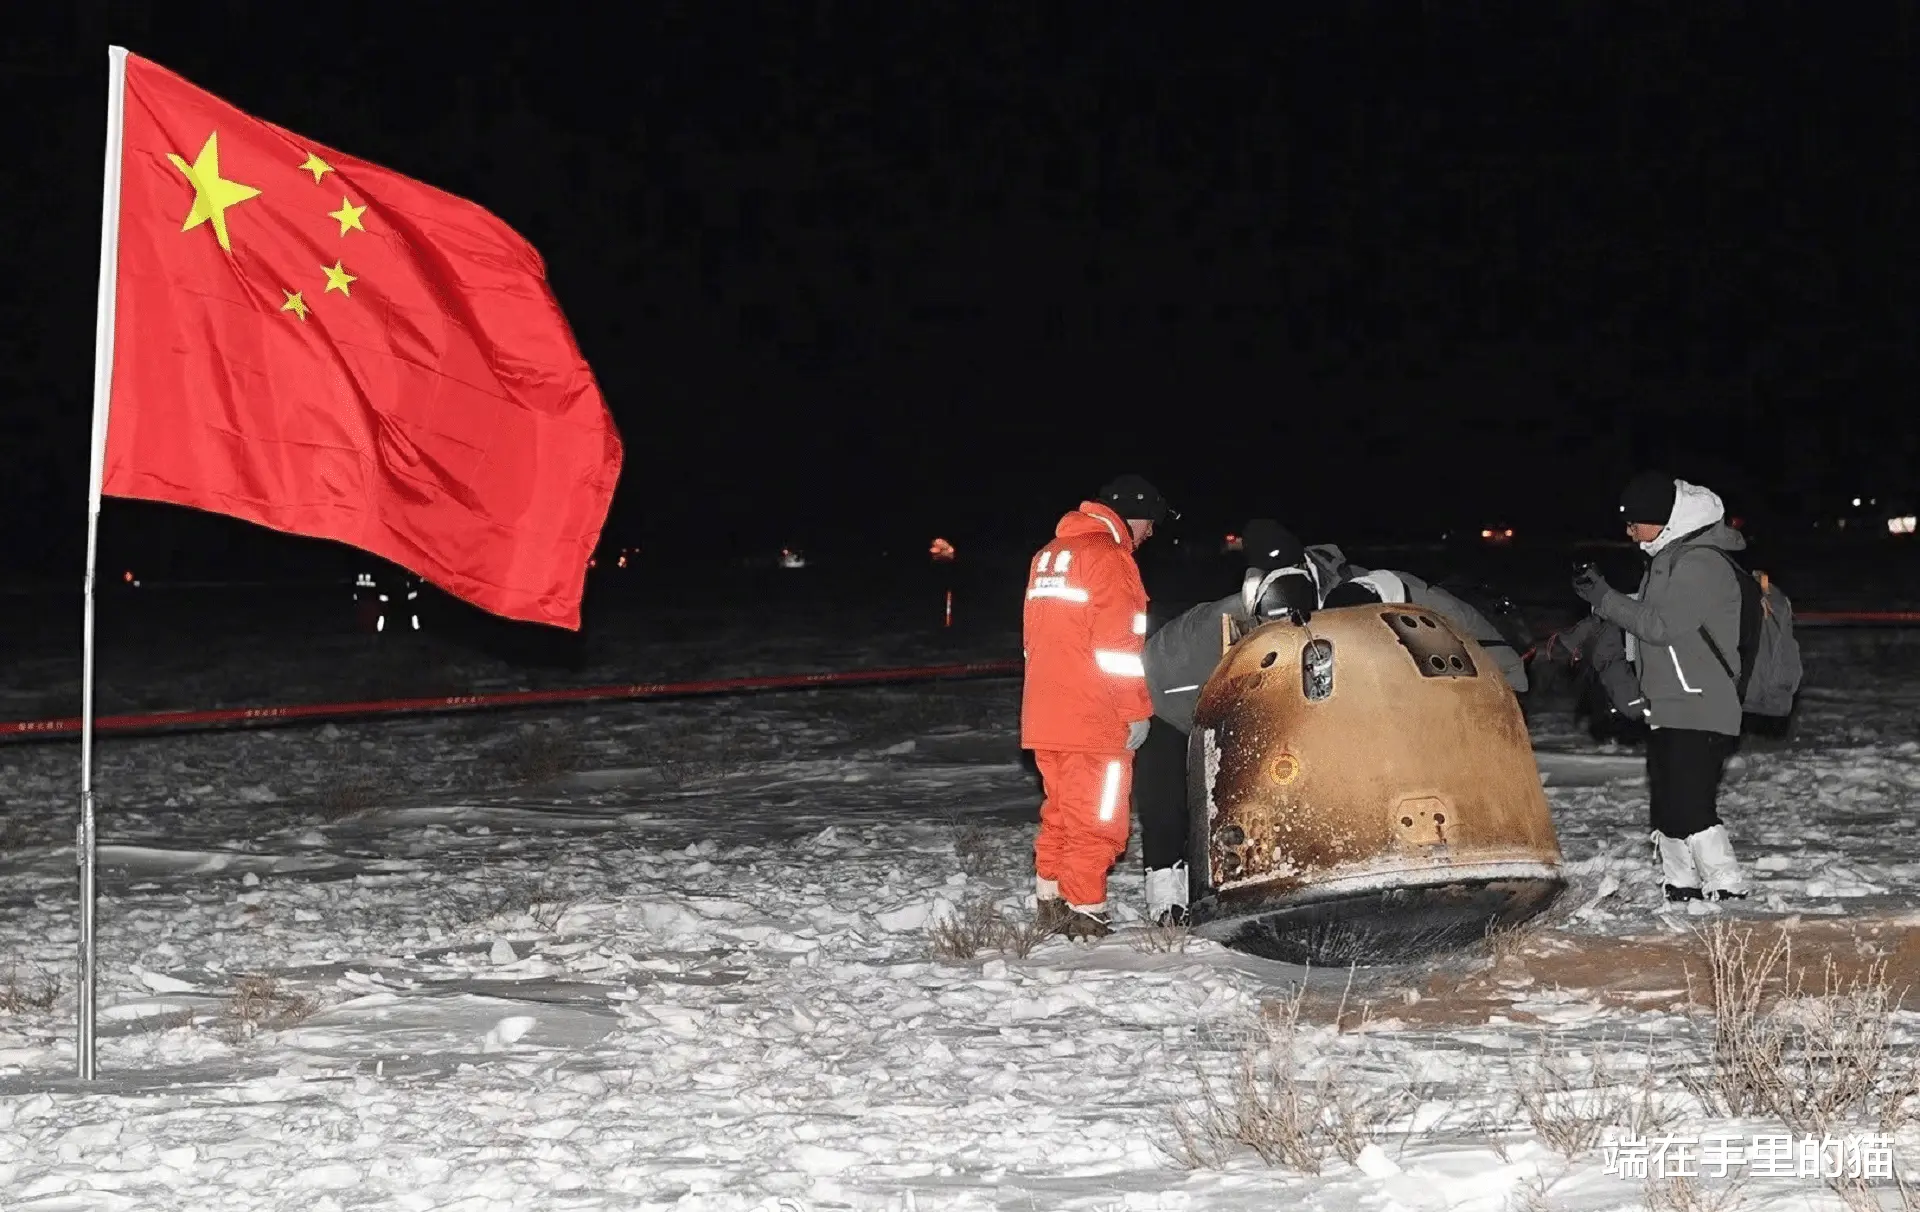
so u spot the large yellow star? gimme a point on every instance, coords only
(212, 194)
(294, 304)
(338, 279)
(318, 167)
(349, 216)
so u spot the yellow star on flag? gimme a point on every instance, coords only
(349, 216)
(212, 193)
(294, 304)
(338, 279)
(318, 167)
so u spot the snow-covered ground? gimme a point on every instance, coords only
(680, 955)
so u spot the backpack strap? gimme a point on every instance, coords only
(1752, 605)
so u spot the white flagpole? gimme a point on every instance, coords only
(102, 397)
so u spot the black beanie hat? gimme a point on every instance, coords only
(1648, 497)
(1132, 497)
(1269, 545)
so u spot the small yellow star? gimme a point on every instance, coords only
(349, 216)
(295, 304)
(212, 193)
(318, 167)
(338, 279)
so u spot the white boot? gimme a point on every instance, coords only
(1678, 872)
(1720, 874)
(1167, 894)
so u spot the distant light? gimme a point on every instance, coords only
(1486, 534)
(1856, 502)
(593, 563)
(941, 550)
(1900, 525)
(623, 560)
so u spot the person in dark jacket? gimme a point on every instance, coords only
(1683, 628)
(1181, 654)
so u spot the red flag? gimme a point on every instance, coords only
(326, 347)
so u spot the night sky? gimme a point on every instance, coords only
(858, 274)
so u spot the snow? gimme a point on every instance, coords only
(690, 967)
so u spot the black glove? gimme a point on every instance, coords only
(1590, 584)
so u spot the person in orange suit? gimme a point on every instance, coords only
(1084, 708)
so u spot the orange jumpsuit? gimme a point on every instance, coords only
(1084, 626)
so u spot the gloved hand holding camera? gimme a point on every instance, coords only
(1590, 583)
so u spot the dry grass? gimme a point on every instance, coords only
(1504, 942)
(261, 1003)
(1816, 1058)
(1273, 1107)
(34, 994)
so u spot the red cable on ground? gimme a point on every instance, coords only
(157, 720)
(147, 720)
(1857, 618)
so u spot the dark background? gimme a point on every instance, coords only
(852, 275)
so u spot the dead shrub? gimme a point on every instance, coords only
(261, 1003)
(539, 755)
(13, 834)
(532, 896)
(1273, 1106)
(1156, 939)
(976, 926)
(1570, 1110)
(973, 846)
(1019, 937)
(1816, 1059)
(34, 994)
(1686, 1193)
(348, 795)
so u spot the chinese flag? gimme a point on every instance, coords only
(320, 345)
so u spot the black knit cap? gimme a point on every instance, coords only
(1648, 497)
(1269, 545)
(1132, 497)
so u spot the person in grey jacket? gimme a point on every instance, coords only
(1181, 653)
(1360, 585)
(1688, 605)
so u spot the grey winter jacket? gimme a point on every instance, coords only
(1181, 656)
(1688, 585)
(1513, 666)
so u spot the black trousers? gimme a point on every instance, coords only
(1160, 795)
(1683, 779)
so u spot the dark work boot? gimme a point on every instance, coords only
(1084, 925)
(1050, 917)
